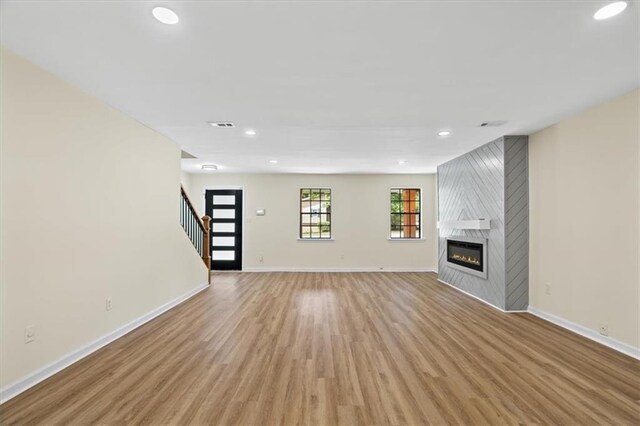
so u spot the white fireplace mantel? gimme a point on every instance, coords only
(465, 224)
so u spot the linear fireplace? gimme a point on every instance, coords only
(468, 255)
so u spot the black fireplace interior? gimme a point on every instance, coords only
(465, 254)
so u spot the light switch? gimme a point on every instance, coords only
(261, 212)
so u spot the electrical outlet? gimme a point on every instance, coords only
(603, 329)
(30, 333)
(261, 259)
(108, 304)
(547, 289)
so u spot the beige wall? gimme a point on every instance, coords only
(185, 181)
(360, 221)
(89, 211)
(584, 218)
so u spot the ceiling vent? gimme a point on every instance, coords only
(492, 123)
(221, 124)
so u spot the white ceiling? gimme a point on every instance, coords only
(334, 86)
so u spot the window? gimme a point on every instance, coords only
(315, 213)
(405, 213)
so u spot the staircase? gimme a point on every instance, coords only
(197, 229)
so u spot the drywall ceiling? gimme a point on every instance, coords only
(333, 86)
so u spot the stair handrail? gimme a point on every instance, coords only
(197, 229)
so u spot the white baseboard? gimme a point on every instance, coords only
(372, 269)
(481, 300)
(566, 324)
(47, 371)
(587, 332)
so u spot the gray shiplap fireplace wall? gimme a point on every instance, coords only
(490, 182)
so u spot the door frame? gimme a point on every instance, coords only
(244, 208)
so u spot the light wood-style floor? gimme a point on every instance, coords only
(348, 348)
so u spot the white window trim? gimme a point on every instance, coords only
(300, 218)
(405, 240)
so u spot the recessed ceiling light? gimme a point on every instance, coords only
(209, 167)
(250, 132)
(443, 133)
(402, 162)
(610, 10)
(273, 161)
(164, 15)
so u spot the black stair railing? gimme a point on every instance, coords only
(197, 229)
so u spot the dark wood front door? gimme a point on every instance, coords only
(224, 207)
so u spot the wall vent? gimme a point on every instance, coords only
(221, 124)
(492, 123)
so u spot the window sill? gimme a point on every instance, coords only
(315, 239)
(407, 240)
